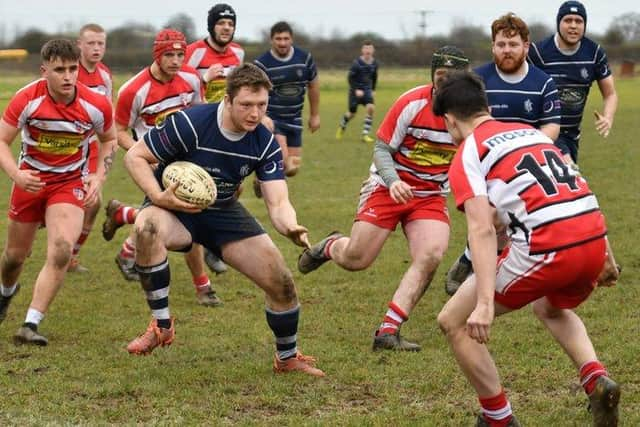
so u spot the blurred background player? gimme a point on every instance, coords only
(215, 57)
(292, 72)
(575, 62)
(92, 42)
(167, 85)
(58, 119)
(408, 184)
(517, 92)
(229, 141)
(363, 77)
(512, 174)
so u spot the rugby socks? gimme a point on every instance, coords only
(128, 250)
(33, 319)
(328, 245)
(589, 374)
(7, 291)
(284, 325)
(155, 283)
(496, 410)
(393, 319)
(126, 215)
(366, 125)
(201, 283)
(466, 256)
(343, 122)
(83, 238)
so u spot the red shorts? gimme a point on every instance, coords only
(30, 207)
(377, 207)
(92, 165)
(566, 277)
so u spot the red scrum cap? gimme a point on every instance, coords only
(166, 40)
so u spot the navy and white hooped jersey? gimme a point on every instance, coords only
(363, 75)
(289, 77)
(195, 135)
(573, 73)
(532, 100)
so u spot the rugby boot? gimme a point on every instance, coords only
(456, 276)
(339, 132)
(299, 362)
(28, 334)
(368, 139)
(213, 262)
(153, 337)
(393, 342)
(603, 402)
(312, 258)
(208, 297)
(127, 268)
(5, 301)
(110, 225)
(76, 267)
(482, 422)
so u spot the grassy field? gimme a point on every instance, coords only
(218, 371)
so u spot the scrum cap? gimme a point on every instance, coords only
(448, 57)
(166, 40)
(571, 8)
(218, 12)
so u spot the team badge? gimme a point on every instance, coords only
(78, 193)
(528, 105)
(584, 73)
(244, 170)
(184, 99)
(299, 73)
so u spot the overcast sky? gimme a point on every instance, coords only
(395, 19)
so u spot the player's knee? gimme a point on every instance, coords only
(284, 290)
(146, 231)
(61, 253)
(292, 165)
(446, 322)
(545, 311)
(355, 261)
(13, 259)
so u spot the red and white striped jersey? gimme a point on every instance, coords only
(144, 101)
(545, 205)
(424, 149)
(200, 55)
(100, 80)
(55, 137)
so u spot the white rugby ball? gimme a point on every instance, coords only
(195, 185)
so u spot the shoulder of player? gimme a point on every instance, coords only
(485, 69)
(135, 82)
(589, 46)
(92, 97)
(418, 93)
(538, 74)
(300, 53)
(188, 69)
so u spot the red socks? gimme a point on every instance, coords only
(589, 373)
(393, 319)
(496, 410)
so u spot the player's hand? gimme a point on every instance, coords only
(359, 93)
(401, 192)
(300, 236)
(314, 122)
(603, 125)
(167, 199)
(215, 71)
(92, 185)
(479, 322)
(28, 180)
(609, 275)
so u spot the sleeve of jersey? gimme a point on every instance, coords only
(551, 112)
(602, 65)
(124, 107)
(14, 111)
(374, 77)
(271, 164)
(465, 176)
(107, 110)
(173, 138)
(353, 74)
(394, 125)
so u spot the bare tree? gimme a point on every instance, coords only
(628, 25)
(184, 23)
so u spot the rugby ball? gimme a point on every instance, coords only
(195, 185)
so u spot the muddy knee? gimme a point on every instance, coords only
(13, 260)
(61, 253)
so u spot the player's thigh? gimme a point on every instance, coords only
(64, 224)
(259, 259)
(163, 227)
(427, 238)
(366, 241)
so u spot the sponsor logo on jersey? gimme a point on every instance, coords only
(510, 135)
(215, 91)
(424, 154)
(82, 127)
(59, 143)
(162, 117)
(290, 90)
(572, 97)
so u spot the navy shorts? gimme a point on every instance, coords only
(354, 101)
(568, 145)
(292, 132)
(216, 226)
